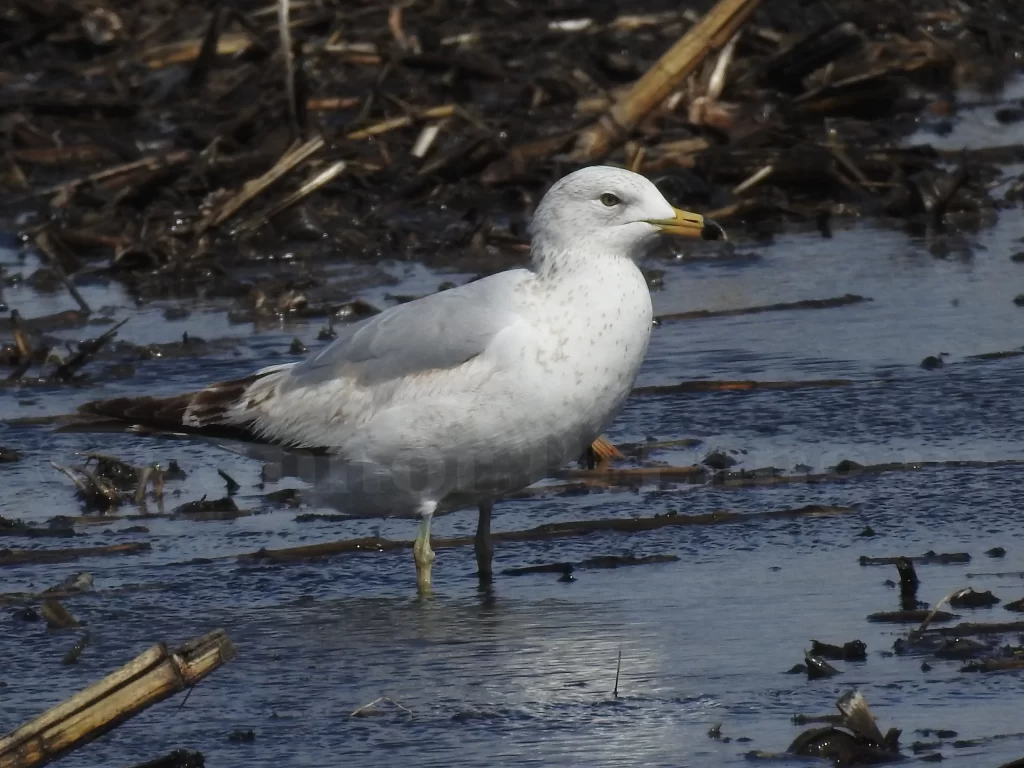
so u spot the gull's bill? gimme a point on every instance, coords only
(689, 224)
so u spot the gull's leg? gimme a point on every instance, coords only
(482, 543)
(421, 551)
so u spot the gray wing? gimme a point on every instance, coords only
(442, 330)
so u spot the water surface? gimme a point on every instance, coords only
(523, 674)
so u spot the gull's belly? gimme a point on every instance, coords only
(496, 439)
(460, 448)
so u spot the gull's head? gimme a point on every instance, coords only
(601, 209)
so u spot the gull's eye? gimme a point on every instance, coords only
(609, 199)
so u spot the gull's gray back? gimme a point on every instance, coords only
(439, 331)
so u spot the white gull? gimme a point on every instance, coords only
(462, 396)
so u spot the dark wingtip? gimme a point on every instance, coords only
(712, 231)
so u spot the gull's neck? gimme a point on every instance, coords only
(557, 261)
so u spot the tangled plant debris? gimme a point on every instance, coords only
(161, 145)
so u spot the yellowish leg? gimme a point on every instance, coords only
(421, 551)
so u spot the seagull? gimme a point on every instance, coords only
(457, 398)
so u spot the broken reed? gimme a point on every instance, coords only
(151, 677)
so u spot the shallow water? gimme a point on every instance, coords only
(523, 674)
(981, 128)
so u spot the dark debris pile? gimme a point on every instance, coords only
(163, 143)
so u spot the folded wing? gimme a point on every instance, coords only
(438, 332)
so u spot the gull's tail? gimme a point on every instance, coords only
(212, 412)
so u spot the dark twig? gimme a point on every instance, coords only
(283, 8)
(86, 350)
(231, 483)
(200, 70)
(47, 247)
